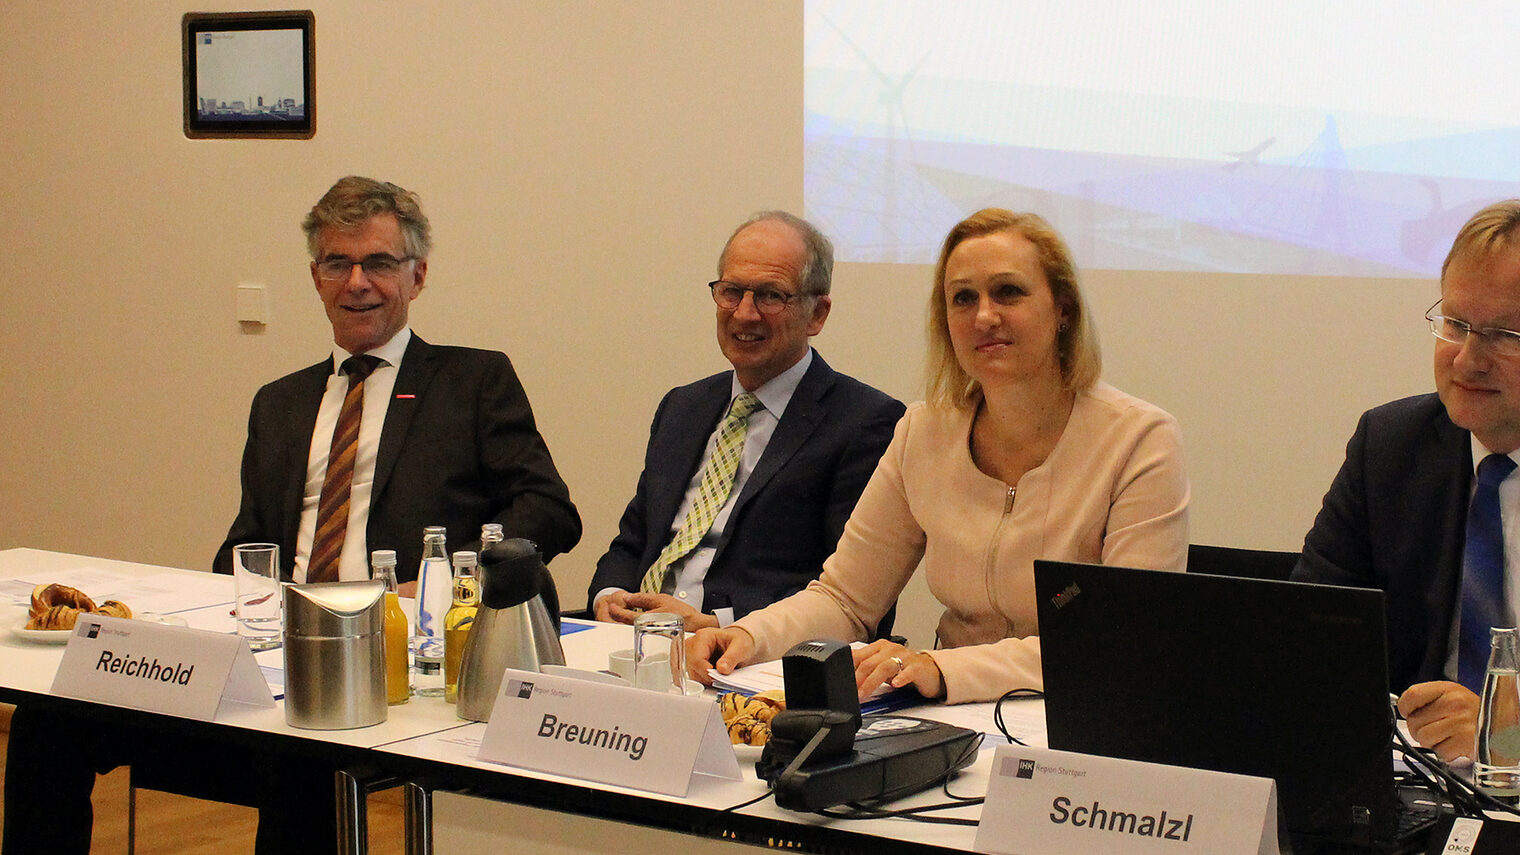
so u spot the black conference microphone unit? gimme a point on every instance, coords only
(822, 753)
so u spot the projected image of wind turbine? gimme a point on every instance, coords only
(899, 141)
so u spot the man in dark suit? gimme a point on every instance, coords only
(713, 543)
(441, 436)
(446, 436)
(1406, 513)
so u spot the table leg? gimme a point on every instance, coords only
(353, 813)
(417, 815)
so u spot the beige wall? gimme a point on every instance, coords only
(582, 163)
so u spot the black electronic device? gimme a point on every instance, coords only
(822, 753)
(1282, 680)
(820, 675)
(250, 74)
(1474, 837)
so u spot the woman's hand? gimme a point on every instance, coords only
(887, 662)
(703, 649)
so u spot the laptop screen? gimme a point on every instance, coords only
(1276, 679)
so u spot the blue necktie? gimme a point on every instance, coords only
(1482, 573)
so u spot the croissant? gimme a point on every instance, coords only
(57, 606)
(114, 608)
(747, 731)
(749, 719)
(46, 596)
(731, 706)
(55, 617)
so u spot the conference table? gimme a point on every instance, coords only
(457, 803)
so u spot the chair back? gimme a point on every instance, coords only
(1241, 563)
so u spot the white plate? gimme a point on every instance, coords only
(39, 636)
(61, 636)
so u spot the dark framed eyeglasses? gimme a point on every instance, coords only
(1498, 340)
(768, 300)
(379, 267)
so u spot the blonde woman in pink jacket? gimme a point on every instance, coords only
(1019, 452)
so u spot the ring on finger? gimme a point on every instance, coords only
(900, 663)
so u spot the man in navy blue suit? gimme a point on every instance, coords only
(750, 474)
(1406, 512)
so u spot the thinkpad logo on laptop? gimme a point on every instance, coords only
(1064, 597)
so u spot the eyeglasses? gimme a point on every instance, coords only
(769, 301)
(379, 267)
(1499, 341)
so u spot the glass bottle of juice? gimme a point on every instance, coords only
(398, 684)
(459, 620)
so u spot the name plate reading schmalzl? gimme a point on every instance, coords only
(167, 669)
(1060, 803)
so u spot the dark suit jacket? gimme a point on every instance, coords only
(794, 506)
(459, 449)
(1395, 519)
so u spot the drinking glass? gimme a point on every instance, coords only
(659, 652)
(256, 578)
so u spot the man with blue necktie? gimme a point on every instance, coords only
(1425, 506)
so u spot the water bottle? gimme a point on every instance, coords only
(435, 583)
(1496, 769)
(490, 533)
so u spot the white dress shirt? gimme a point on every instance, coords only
(353, 563)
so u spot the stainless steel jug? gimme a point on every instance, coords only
(335, 655)
(516, 626)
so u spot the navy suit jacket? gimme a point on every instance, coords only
(1395, 518)
(459, 449)
(790, 514)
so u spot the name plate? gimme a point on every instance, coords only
(165, 669)
(606, 733)
(1060, 803)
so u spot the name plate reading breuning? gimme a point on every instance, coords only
(609, 734)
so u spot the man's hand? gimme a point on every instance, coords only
(886, 662)
(1442, 716)
(614, 608)
(703, 649)
(407, 589)
(624, 607)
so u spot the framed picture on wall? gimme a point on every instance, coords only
(250, 74)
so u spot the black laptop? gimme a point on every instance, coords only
(1276, 679)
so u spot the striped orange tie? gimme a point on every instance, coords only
(332, 507)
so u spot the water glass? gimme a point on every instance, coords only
(256, 578)
(659, 652)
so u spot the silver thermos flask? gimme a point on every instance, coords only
(335, 655)
(516, 624)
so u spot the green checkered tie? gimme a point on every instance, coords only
(712, 493)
